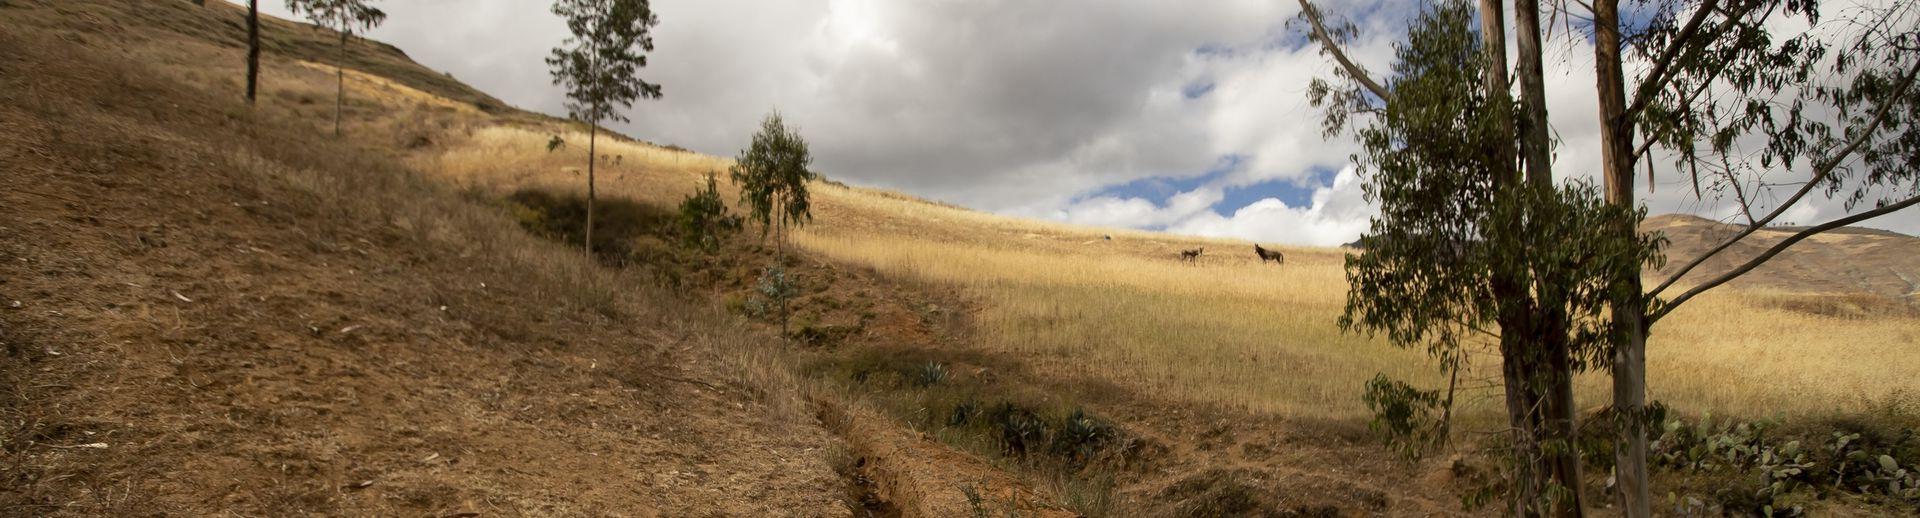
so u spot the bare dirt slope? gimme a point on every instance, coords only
(1844, 261)
(200, 317)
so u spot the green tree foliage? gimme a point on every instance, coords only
(1459, 255)
(1736, 99)
(703, 221)
(347, 17)
(1403, 415)
(772, 174)
(599, 66)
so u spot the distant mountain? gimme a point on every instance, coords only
(1843, 260)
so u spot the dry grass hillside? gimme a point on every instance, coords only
(1114, 311)
(253, 317)
(1117, 306)
(1865, 261)
(208, 311)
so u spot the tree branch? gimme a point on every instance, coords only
(1326, 41)
(1819, 174)
(1775, 250)
(1656, 79)
(1686, 101)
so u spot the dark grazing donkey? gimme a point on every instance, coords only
(1269, 255)
(1191, 255)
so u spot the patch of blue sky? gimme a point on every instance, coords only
(1295, 192)
(1197, 89)
(1158, 189)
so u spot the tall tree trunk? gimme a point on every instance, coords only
(1515, 374)
(780, 241)
(1522, 409)
(253, 50)
(340, 76)
(1534, 134)
(1630, 353)
(1555, 375)
(1493, 41)
(593, 134)
(1560, 417)
(1523, 375)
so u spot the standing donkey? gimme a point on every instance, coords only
(1269, 255)
(1191, 255)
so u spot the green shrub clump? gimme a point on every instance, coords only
(703, 222)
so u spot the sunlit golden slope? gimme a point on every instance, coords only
(1228, 329)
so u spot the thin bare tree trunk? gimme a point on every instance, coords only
(1493, 41)
(1446, 412)
(1629, 313)
(253, 50)
(1534, 136)
(1559, 463)
(780, 240)
(593, 134)
(340, 75)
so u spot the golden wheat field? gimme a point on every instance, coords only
(1117, 306)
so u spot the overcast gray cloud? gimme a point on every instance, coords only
(1024, 107)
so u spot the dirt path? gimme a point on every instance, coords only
(193, 328)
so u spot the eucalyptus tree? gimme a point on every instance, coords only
(772, 173)
(600, 68)
(1474, 243)
(1729, 96)
(346, 17)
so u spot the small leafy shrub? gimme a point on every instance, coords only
(772, 292)
(1770, 467)
(702, 221)
(1081, 436)
(1403, 416)
(556, 143)
(1706, 445)
(1076, 438)
(1021, 431)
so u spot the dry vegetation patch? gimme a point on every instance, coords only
(266, 322)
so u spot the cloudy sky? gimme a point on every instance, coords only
(1185, 116)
